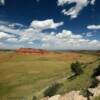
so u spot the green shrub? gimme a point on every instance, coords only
(96, 71)
(76, 68)
(94, 81)
(51, 90)
(34, 98)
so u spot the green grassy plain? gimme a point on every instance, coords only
(24, 75)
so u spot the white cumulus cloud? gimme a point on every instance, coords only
(92, 2)
(4, 36)
(14, 28)
(45, 24)
(2, 2)
(34, 36)
(68, 40)
(93, 27)
(74, 11)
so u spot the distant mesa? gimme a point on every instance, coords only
(31, 51)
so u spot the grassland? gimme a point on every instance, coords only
(24, 75)
(97, 98)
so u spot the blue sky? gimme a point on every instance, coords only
(50, 24)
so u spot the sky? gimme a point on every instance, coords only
(50, 24)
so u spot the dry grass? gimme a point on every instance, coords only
(24, 75)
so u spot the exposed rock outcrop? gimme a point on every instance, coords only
(73, 95)
(31, 51)
(98, 78)
(95, 91)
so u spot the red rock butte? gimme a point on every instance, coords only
(31, 51)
